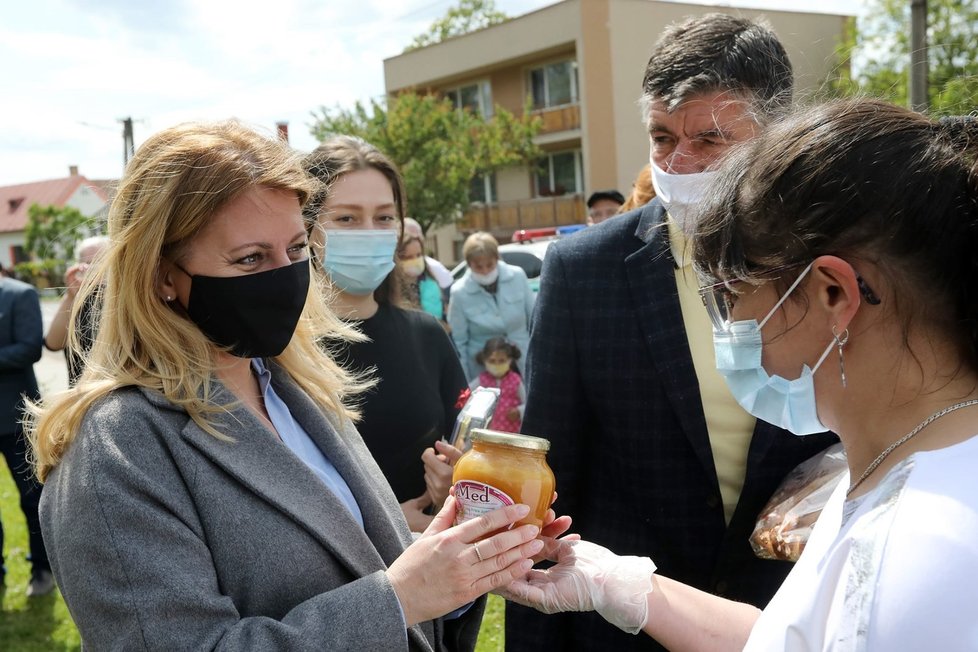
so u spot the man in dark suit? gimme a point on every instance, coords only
(21, 337)
(652, 454)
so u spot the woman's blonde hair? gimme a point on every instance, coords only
(478, 244)
(172, 187)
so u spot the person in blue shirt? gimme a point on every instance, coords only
(493, 299)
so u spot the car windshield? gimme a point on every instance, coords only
(530, 263)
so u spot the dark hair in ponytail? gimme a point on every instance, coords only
(866, 181)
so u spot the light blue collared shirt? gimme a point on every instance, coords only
(299, 442)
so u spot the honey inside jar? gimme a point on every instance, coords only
(503, 469)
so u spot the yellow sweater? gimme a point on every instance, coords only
(730, 427)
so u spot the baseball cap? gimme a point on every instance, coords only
(598, 195)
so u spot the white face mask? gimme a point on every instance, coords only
(680, 193)
(485, 279)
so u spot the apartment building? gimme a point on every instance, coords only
(580, 64)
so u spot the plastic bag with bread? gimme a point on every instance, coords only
(785, 523)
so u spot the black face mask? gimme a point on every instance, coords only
(255, 315)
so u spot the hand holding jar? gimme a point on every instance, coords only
(451, 566)
(588, 577)
(439, 463)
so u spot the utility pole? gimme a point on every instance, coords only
(918, 55)
(128, 145)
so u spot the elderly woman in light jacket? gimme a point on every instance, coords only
(493, 299)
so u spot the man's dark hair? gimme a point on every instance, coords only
(718, 52)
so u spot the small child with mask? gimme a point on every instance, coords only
(499, 357)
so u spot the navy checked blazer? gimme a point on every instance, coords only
(611, 383)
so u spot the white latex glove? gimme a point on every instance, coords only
(588, 577)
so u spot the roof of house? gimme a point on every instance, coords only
(15, 200)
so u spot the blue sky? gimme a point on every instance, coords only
(74, 68)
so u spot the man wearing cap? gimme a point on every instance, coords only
(652, 454)
(603, 204)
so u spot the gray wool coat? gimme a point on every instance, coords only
(162, 537)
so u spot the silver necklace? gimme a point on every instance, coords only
(903, 440)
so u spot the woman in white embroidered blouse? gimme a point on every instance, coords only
(839, 253)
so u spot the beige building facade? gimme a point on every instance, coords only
(579, 64)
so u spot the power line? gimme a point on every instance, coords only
(423, 9)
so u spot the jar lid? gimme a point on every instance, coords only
(510, 439)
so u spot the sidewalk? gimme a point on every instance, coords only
(51, 370)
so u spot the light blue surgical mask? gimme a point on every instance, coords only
(789, 404)
(358, 260)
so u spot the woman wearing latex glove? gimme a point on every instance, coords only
(624, 591)
(809, 253)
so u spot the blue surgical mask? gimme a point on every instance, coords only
(358, 260)
(789, 404)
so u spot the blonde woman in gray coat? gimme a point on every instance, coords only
(205, 485)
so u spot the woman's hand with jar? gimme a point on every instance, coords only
(448, 567)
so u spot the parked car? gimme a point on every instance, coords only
(526, 252)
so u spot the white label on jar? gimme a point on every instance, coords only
(475, 499)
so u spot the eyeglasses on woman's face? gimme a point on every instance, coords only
(720, 298)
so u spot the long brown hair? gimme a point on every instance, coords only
(338, 156)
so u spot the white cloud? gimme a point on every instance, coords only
(73, 68)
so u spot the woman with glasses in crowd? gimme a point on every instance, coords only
(840, 251)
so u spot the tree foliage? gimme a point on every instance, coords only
(878, 47)
(51, 232)
(467, 16)
(50, 238)
(438, 148)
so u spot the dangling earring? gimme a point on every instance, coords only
(840, 341)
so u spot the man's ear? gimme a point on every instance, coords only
(837, 290)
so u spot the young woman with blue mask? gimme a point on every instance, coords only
(838, 251)
(358, 219)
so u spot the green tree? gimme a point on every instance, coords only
(467, 16)
(878, 47)
(51, 234)
(438, 149)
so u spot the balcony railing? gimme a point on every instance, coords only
(563, 118)
(502, 218)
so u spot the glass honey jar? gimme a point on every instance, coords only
(502, 469)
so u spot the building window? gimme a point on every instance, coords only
(560, 173)
(476, 97)
(554, 84)
(18, 254)
(483, 189)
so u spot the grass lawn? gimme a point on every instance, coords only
(35, 625)
(43, 624)
(491, 636)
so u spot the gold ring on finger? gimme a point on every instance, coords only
(477, 553)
